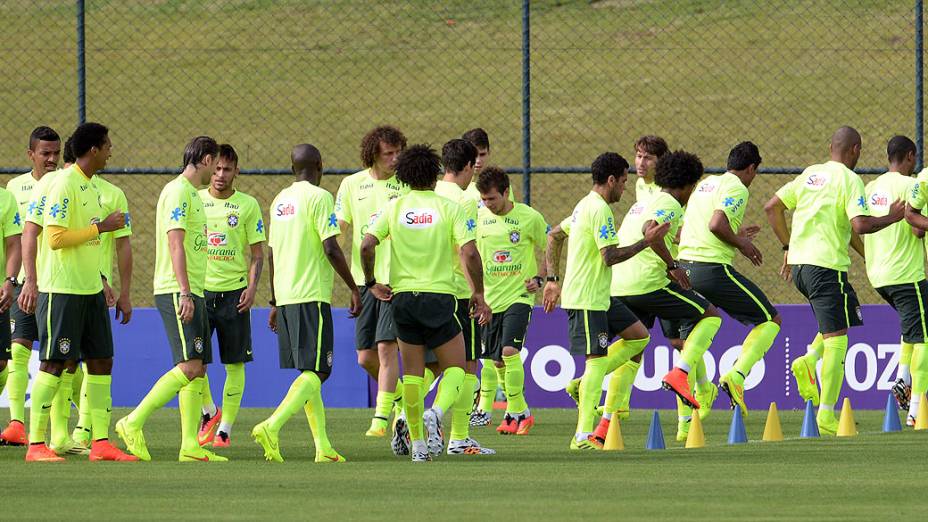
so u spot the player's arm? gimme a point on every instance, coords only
(337, 259)
(179, 264)
(473, 271)
(653, 236)
(255, 266)
(659, 247)
(776, 216)
(915, 219)
(124, 262)
(30, 242)
(720, 226)
(555, 244)
(14, 260)
(871, 224)
(272, 318)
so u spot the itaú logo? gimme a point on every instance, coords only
(419, 218)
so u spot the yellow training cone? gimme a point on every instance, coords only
(846, 425)
(772, 430)
(614, 441)
(921, 421)
(695, 438)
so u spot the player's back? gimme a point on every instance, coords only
(894, 255)
(646, 272)
(723, 192)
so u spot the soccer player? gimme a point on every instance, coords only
(44, 151)
(712, 234)
(829, 202)
(11, 229)
(592, 319)
(648, 149)
(234, 225)
(508, 235)
(179, 278)
(361, 198)
(71, 309)
(424, 228)
(303, 251)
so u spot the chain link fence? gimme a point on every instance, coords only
(264, 75)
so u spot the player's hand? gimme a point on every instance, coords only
(479, 309)
(679, 275)
(246, 300)
(272, 319)
(28, 297)
(354, 309)
(108, 294)
(6, 296)
(897, 210)
(531, 286)
(785, 270)
(112, 222)
(382, 292)
(750, 251)
(656, 234)
(185, 309)
(749, 232)
(550, 296)
(124, 308)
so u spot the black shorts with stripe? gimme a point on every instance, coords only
(425, 318)
(187, 340)
(6, 340)
(506, 328)
(22, 325)
(233, 329)
(678, 310)
(73, 327)
(833, 299)
(727, 289)
(910, 301)
(588, 331)
(306, 336)
(375, 324)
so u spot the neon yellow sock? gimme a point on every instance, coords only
(100, 402)
(699, 340)
(84, 420)
(755, 345)
(232, 392)
(77, 384)
(697, 377)
(451, 381)
(61, 410)
(460, 415)
(919, 369)
(384, 404)
(415, 404)
(904, 370)
(18, 381)
(398, 398)
(4, 373)
(315, 412)
(833, 369)
(500, 378)
(815, 350)
(209, 406)
(591, 389)
(623, 350)
(620, 388)
(294, 400)
(515, 384)
(168, 386)
(427, 380)
(488, 382)
(683, 411)
(190, 403)
(43, 394)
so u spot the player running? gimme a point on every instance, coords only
(829, 202)
(303, 250)
(424, 228)
(234, 225)
(361, 198)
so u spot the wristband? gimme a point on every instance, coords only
(272, 302)
(188, 296)
(786, 248)
(12, 280)
(370, 284)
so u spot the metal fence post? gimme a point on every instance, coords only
(81, 67)
(526, 106)
(919, 110)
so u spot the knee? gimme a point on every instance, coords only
(53, 367)
(637, 357)
(2, 364)
(677, 344)
(777, 320)
(711, 311)
(100, 366)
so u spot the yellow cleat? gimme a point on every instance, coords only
(378, 428)
(705, 396)
(267, 440)
(200, 455)
(133, 438)
(330, 457)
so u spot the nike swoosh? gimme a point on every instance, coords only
(44, 407)
(201, 459)
(232, 394)
(517, 340)
(247, 352)
(811, 374)
(333, 459)
(109, 410)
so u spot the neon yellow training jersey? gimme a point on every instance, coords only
(425, 228)
(922, 179)
(72, 202)
(725, 193)
(590, 228)
(180, 208)
(112, 199)
(646, 272)
(36, 214)
(359, 202)
(302, 217)
(21, 187)
(452, 191)
(644, 190)
(824, 199)
(474, 194)
(507, 246)
(10, 221)
(894, 255)
(232, 226)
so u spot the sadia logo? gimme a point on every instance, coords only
(816, 181)
(502, 256)
(636, 209)
(215, 239)
(879, 200)
(706, 187)
(419, 218)
(284, 211)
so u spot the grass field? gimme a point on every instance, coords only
(873, 476)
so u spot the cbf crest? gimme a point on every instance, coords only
(514, 237)
(198, 344)
(232, 220)
(64, 345)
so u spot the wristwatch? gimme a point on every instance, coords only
(370, 284)
(13, 281)
(538, 280)
(552, 278)
(673, 266)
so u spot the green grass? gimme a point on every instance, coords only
(868, 477)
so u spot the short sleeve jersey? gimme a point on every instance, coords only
(590, 228)
(72, 202)
(507, 246)
(35, 213)
(180, 208)
(359, 202)
(232, 226)
(112, 199)
(922, 183)
(302, 217)
(424, 228)
(724, 193)
(644, 190)
(474, 194)
(447, 189)
(10, 221)
(824, 199)
(894, 255)
(21, 187)
(646, 272)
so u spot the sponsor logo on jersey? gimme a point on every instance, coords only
(285, 210)
(419, 218)
(879, 200)
(215, 239)
(502, 256)
(636, 209)
(706, 187)
(816, 181)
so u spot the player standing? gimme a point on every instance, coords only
(648, 149)
(11, 229)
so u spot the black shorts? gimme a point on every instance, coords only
(187, 340)
(6, 352)
(233, 330)
(620, 317)
(588, 331)
(306, 336)
(73, 327)
(727, 289)
(833, 299)
(506, 328)
(678, 310)
(375, 324)
(473, 332)
(22, 325)
(425, 318)
(910, 301)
